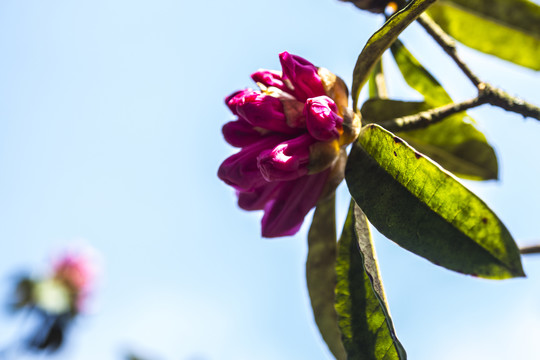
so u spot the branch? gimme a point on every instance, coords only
(502, 99)
(432, 116)
(530, 250)
(492, 95)
(448, 44)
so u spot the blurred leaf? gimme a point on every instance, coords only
(507, 29)
(23, 293)
(133, 357)
(50, 334)
(423, 208)
(454, 143)
(321, 274)
(367, 329)
(381, 40)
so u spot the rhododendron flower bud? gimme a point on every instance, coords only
(292, 134)
(240, 133)
(322, 120)
(287, 161)
(301, 76)
(269, 78)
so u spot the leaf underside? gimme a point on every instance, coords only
(509, 30)
(366, 327)
(380, 41)
(454, 143)
(423, 208)
(321, 274)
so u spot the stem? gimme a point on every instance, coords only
(491, 94)
(379, 82)
(530, 250)
(448, 44)
(432, 116)
(502, 99)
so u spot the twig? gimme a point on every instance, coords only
(487, 95)
(425, 118)
(530, 250)
(502, 99)
(448, 44)
(491, 94)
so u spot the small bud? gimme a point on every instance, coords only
(262, 111)
(287, 161)
(303, 74)
(269, 78)
(240, 133)
(322, 120)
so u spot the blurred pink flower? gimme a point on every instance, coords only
(292, 133)
(76, 270)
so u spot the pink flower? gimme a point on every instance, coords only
(292, 133)
(76, 271)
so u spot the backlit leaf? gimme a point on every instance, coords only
(321, 274)
(418, 77)
(368, 332)
(423, 208)
(381, 40)
(507, 29)
(519, 14)
(454, 143)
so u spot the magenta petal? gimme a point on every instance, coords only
(269, 78)
(263, 111)
(322, 120)
(240, 133)
(259, 197)
(303, 76)
(284, 214)
(287, 161)
(232, 100)
(241, 171)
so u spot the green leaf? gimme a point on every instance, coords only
(507, 29)
(379, 110)
(377, 83)
(368, 332)
(423, 208)
(321, 274)
(381, 40)
(418, 77)
(454, 143)
(519, 14)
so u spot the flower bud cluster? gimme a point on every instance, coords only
(291, 132)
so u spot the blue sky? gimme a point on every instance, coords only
(110, 119)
